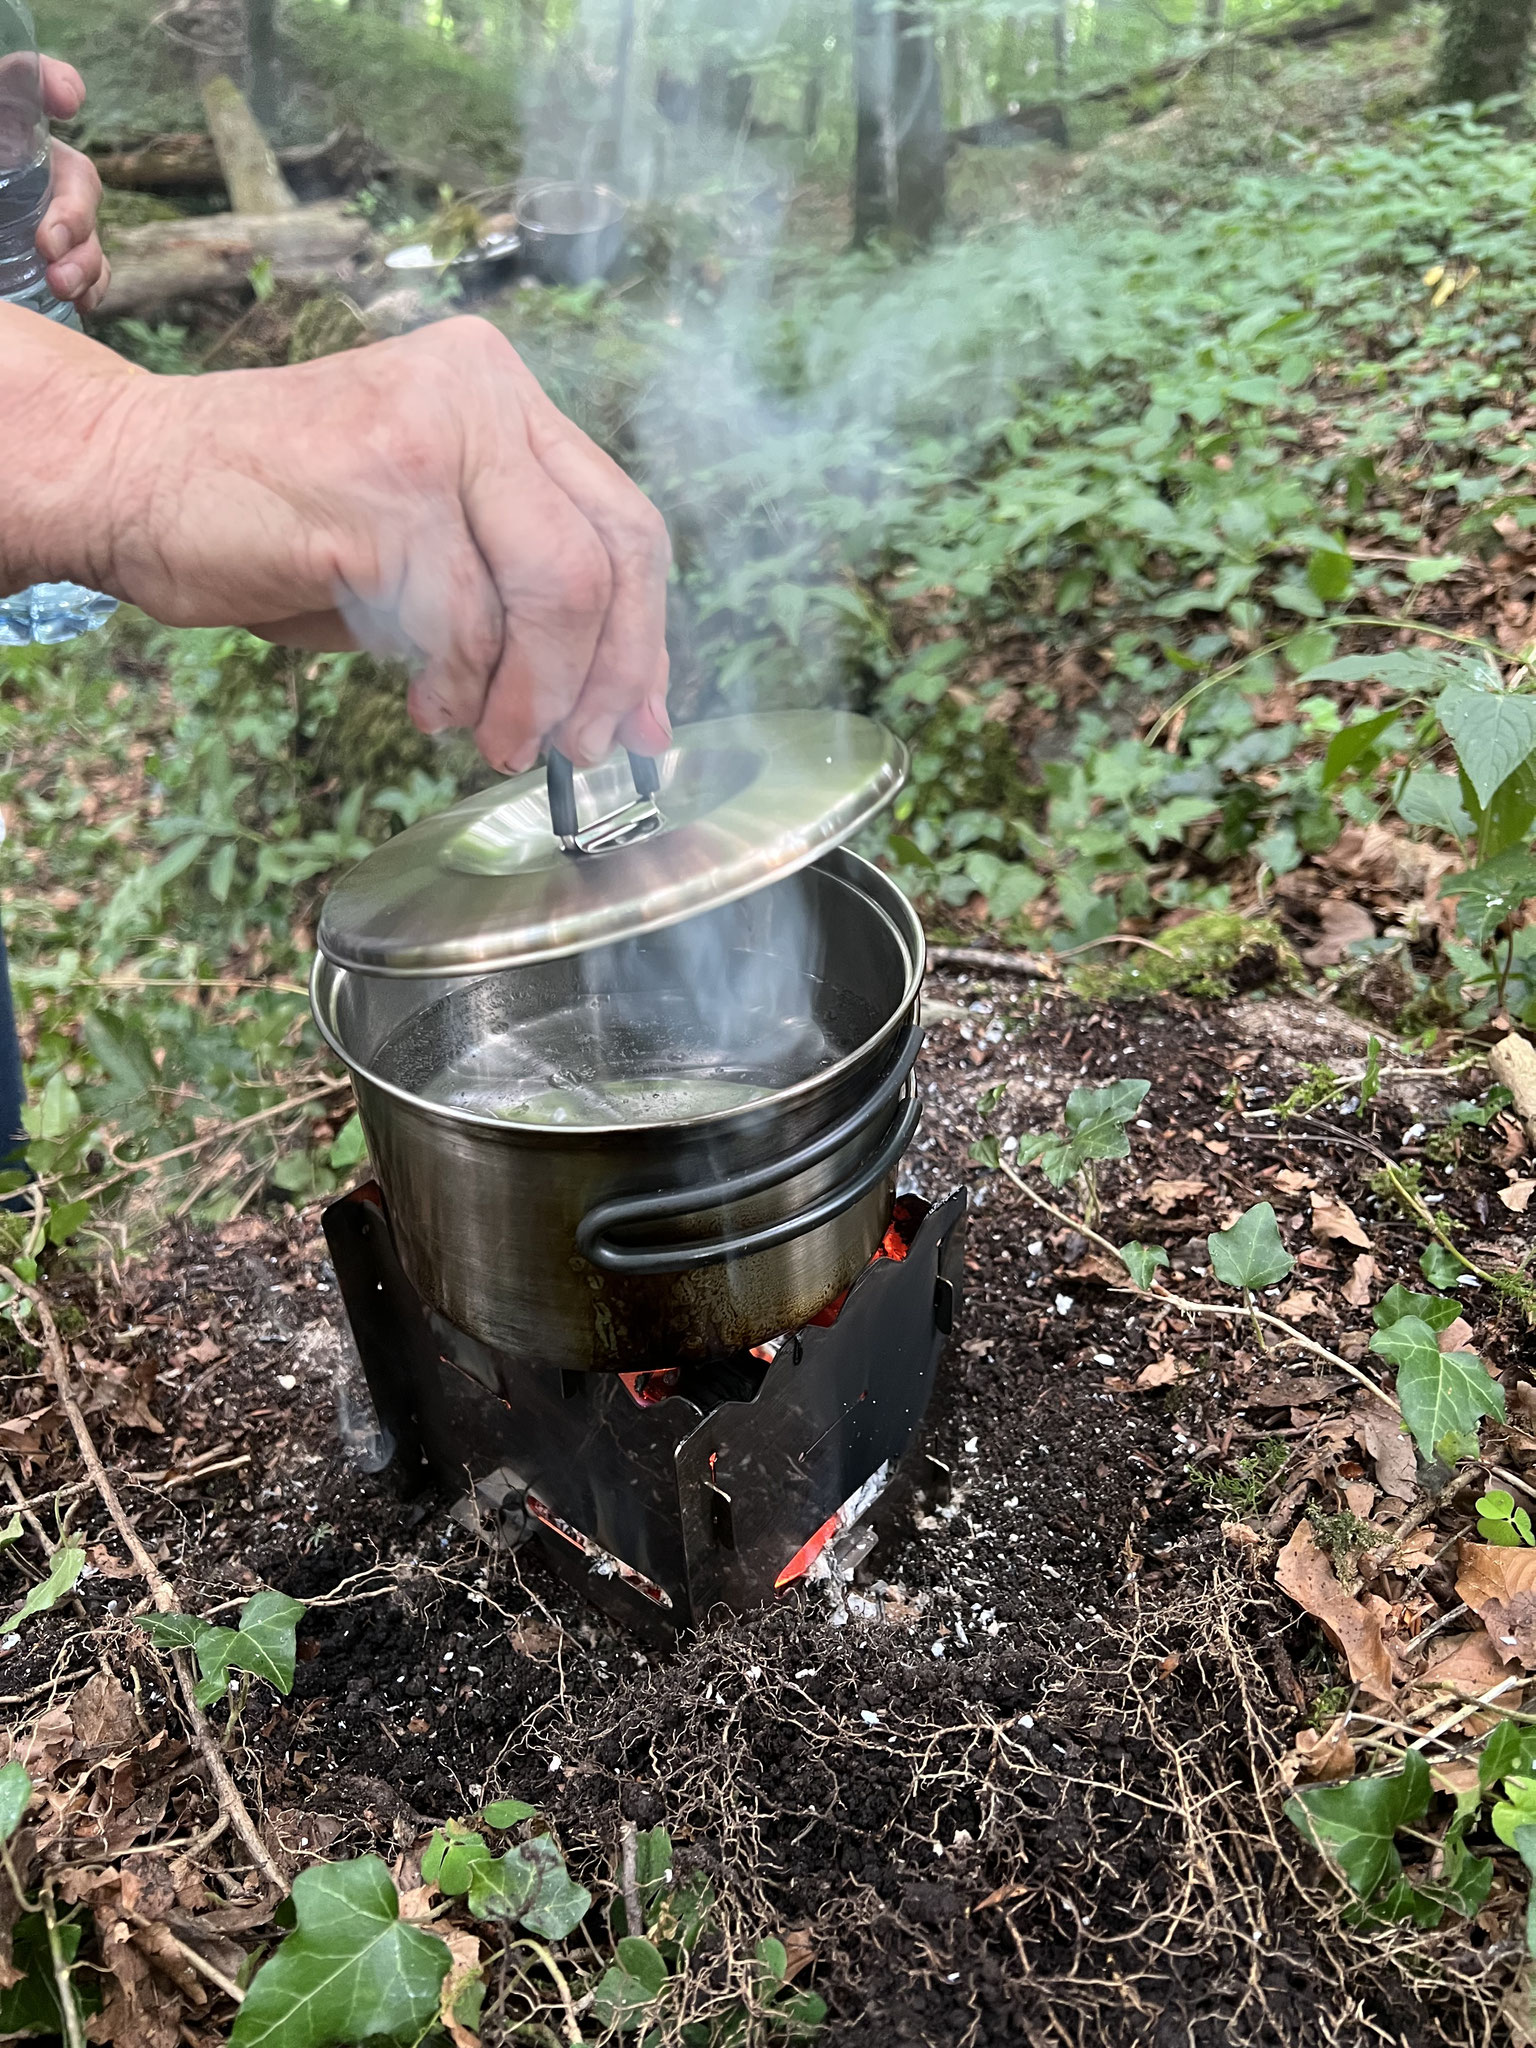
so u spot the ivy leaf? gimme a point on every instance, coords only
(11, 1533)
(349, 1144)
(32, 2005)
(631, 1986)
(64, 1569)
(559, 1907)
(499, 1887)
(1525, 1843)
(1440, 1267)
(1516, 1810)
(1464, 1878)
(263, 1644)
(1438, 1310)
(15, 1791)
(1353, 1824)
(1141, 1261)
(1250, 1254)
(1492, 733)
(452, 1858)
(1443, 1394)
(1510, 1748)
(506, 1813)
(1096, 1119)
(351, 1970)
(986, 1152)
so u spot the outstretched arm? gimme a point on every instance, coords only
(422, 494)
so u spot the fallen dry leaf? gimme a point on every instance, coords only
(1335, 1219)
(1455, 1778)
(1293, 1181)
(101, 1714)
(463, 1970)
(1360, 1498)
(1456, 1336)
(1321, 1758)
(1164, 1372)
(1301, 1303)
(1289, 1392)
(799, 1951)
(1353, 1625)
(1465, 1668)
(1167, 1195)
(1517, 1195)
(1343, 924)
(1499, 1584)
(1362, 1275)
(1100, 1266)
(1390, 1448)
(1219, 1146)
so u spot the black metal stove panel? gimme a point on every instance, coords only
(709, 1494)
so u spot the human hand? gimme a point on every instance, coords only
(66, 235)
(422, 495)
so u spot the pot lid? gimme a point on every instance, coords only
(734, 804)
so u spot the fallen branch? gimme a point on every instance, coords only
(165, 260)
(230, 1802)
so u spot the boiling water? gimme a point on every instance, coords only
(606, 1059)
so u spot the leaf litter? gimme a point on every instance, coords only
(1083, 1669)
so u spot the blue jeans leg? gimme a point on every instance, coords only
(13, 1139)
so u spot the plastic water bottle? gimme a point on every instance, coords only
(48, 612)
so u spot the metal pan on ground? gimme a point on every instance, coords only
(572, 233)
(416, 257)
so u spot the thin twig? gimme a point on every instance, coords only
(199, 1963)
(1187, 1307)
(1028, 966)
(69, 2011)
(244, 1123)
(225, 1787)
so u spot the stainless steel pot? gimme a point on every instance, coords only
(571, 233)
(626, 1245)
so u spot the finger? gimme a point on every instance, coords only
(63, 89)
(98, 290)
(649, 730)
(68, 227)
(77, 277)
(555, 583)
(436, 604)
(311, 632)
(627, 681)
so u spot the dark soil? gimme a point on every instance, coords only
(1032, 1803)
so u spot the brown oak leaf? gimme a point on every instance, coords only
(1353, 1625)
(1362, 1275)
(1384, 1440)
(1335, 1219)
(1498, 1583)
(1167, 1195)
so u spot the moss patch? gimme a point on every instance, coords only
(1217, 955)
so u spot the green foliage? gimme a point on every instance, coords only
(15, 1792)
(1500, 1521)
(1142, 1261)
(64, 1569)
(1353, 1825)
(1096, 1120)
(1211, 955)
(1242, 1489)
(1250, 1254)
(32, 2005)
(263, 1644)
(352, 1970)
(1443, 1394)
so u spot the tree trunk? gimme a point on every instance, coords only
(266, 63)
(900, 148)
(256, 184)
(1215, 16)
(166, 260)
(1483, 50)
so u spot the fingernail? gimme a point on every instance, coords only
(67, 279)
(657, 706)
(54, 241)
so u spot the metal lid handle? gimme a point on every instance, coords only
(619, 828)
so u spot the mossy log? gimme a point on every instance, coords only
(166, 260)
(251, 173)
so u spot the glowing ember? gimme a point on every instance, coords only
(858, 1504)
